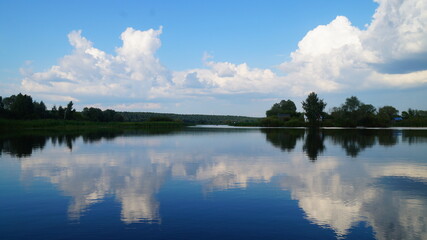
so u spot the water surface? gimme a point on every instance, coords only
(212, 183)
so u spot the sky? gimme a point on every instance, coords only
(214, 57)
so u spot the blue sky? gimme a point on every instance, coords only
(214, 57)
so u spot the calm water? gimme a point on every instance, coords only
(201, 183)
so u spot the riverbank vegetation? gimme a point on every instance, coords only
(22, 112)
(352, 113)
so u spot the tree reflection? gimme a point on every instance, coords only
(386, 137)
(353, 141)
(414, 137)
(285, 139)
(314, 143)
(67, 140)
(23, 144)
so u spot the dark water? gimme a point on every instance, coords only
(201, 183)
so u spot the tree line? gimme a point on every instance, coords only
(188, 118)
(23, 107)
(352, 113)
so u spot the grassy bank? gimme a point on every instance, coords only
(13, 125)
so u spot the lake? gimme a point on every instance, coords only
(214, 183)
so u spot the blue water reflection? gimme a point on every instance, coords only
(215, 183)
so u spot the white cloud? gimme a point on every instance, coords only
(133, 73)
(339, 56)
(398, 29)
(323, 55)
(227, 78)
(390, 53)
(137, 55)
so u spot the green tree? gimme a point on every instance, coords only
(108, 115)
(354, 113)
(351, 111)
(93, 114)
(7, 102)
(413, 113)
(111, 115)
(53, 112)
(386, 114)
(352, 104)
(366, 115)
(283, 107)
(313, 107)
(69, 111)
(20, 106)
(60, 113)
(40, 109)
(405, 115)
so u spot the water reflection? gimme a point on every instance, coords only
(414, 137)
(388, 193)
(284, 139)
(91, 177)
(353, 141)
(21, 145)
(314, 143)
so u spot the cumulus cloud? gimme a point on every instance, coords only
(324, 54)
(398, 29)
(227, 78)
(133, 72)
(390, 53)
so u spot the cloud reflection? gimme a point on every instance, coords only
(91, 178)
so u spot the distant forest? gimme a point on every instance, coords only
(23, 107)
(187, 118)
